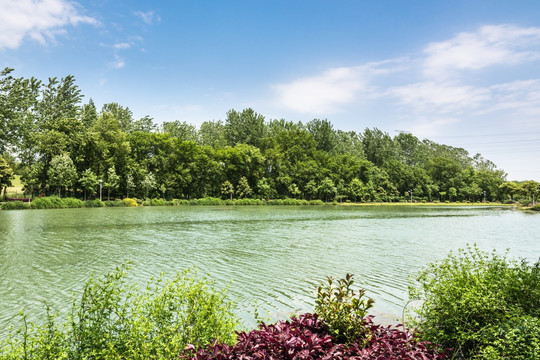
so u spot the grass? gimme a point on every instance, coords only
(16, 190)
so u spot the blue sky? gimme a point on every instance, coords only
(463, 73)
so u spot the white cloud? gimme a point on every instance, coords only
(490, 45)
(148, 17)
(118, 62)
(122, 46)
(325, 93)
(440, 97)
(40, 20)
(430, 127)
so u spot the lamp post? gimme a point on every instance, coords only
(100, 187)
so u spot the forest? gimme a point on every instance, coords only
(60, 145)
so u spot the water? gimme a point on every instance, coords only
(271, 256)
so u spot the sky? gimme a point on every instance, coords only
(461, 73)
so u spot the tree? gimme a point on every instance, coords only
(294, 190)
(144, 124)
(181, 130)
(323, 133)
(62, 173)
(6, 175)
(148, 183)
(88, 182)
(123, 115)
(510, 188)
(212, 133)
(311, 189)
(264, 188)
(243, 189)
(112, 182)
(130, 184)
(327, 189)
(531, 188)
(227, 189)
(246, 127)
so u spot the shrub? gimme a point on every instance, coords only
(306, 337)
(130, 202)
(536, 207)
(178, 202)
(115, 320)
(15, 205)
(316, 202)
(72, 203)
(113, 203)
(471, 297)
(51, 202)
(343, 310)
(96, 203)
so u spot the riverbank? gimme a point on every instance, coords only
(55, 202)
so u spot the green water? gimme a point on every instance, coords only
(274, 256)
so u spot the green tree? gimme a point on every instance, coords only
(148, 183)
(89, 182)
(112, 182)
(311, 189)
(123, 115)
(294, 190)
(130, 184)
(510, 188)
(323, 133)
(181, 130)
(263, 188)
(6, 175)
(227, 189)
(243, 189)
(62, 173)
(212, 133)
(246, 127)
(531, 189)
(327, 189)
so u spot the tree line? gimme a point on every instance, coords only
(60, 145)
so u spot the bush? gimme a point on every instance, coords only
(115, 320)
(343, 310)
(51, 202)
(471, 297)
(130, 202)
(15, 205)
(536, 207)
(113, 203)
(72, 203)
(306, 337)
(178, 202)
(95, 203)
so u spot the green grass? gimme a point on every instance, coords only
(16, 190)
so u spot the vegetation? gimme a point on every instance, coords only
(481, 304)
(116, 320)
(61, 146)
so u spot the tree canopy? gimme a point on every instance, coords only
(61, 144)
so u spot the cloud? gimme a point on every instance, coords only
(122, 46)
(118, 62)
(325, 93)
(148, 17)
(41, 20)
(490, 45)
(440, 97)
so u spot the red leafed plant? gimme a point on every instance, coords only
(306, 337)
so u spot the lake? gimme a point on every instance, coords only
(273, 257)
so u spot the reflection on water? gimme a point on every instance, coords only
(273, 256)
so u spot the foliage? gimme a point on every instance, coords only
(343, 310)
(96, 203)
(474, 298)
(130, 202)
(306, 337)
(6, 173)
(15, 205)
(55, 202)
(536, 207)
(116, 320)
(72, 203)
(54, 139)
